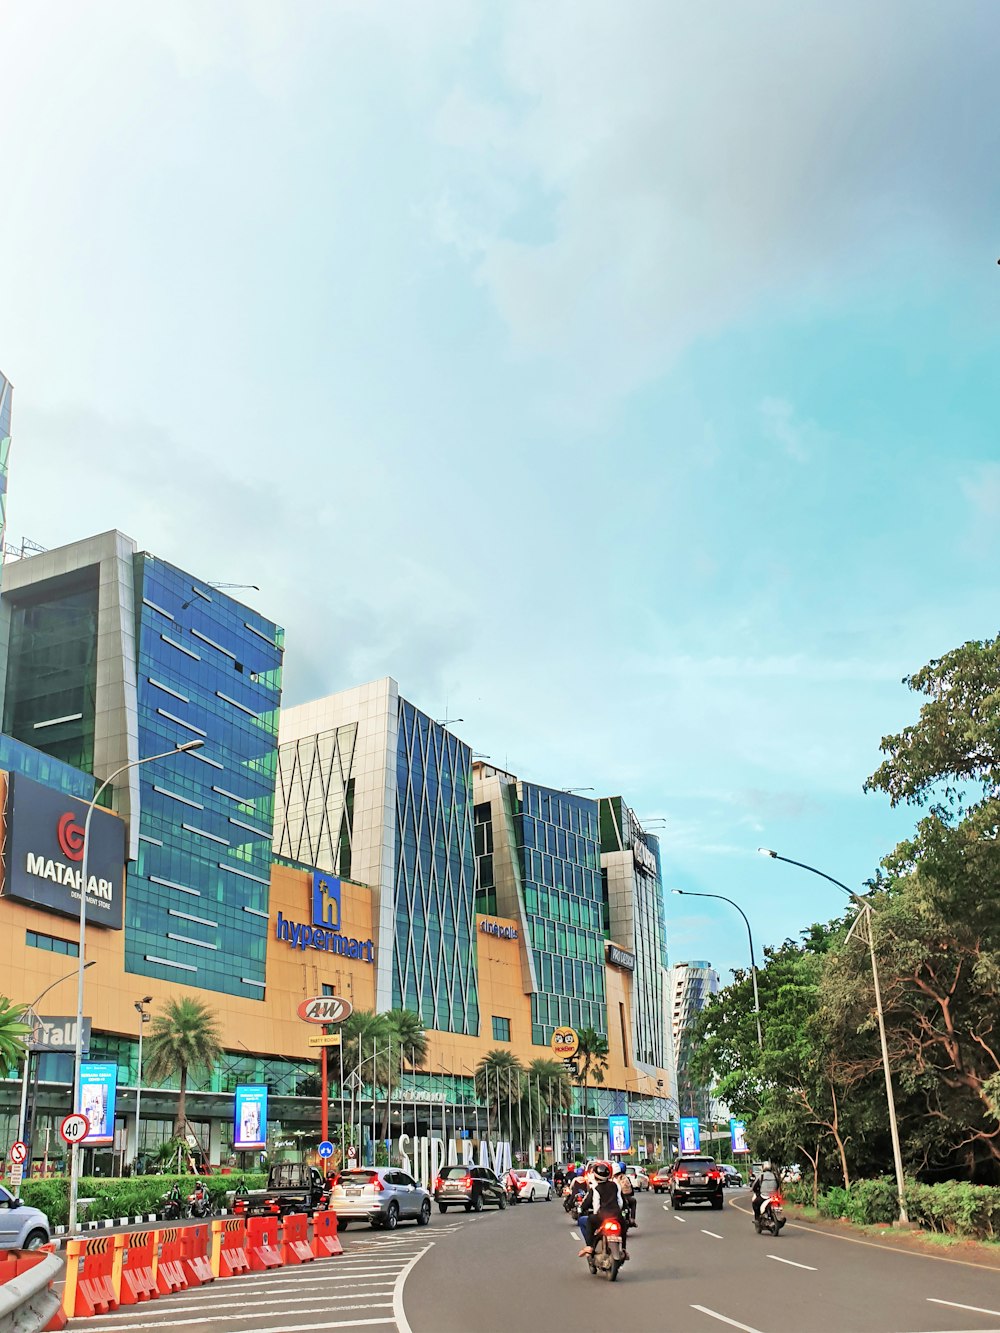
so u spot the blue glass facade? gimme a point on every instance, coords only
(6, 396)
(434, 955)
(207, 668)
(558, 846)
(16, 757)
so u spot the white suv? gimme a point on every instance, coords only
(638, 1177)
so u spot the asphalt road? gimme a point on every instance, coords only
(697, 1271)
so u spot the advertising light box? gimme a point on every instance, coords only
(620, 1133)
(98, 1088)
(250, 1117)
(690, 1131)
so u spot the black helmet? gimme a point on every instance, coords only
(602, 1171)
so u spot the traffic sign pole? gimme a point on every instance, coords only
(324, 1092)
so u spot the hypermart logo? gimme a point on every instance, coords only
(324, 932)
(44, 852)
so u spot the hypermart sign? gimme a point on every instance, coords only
(323, 931)
(44, 853)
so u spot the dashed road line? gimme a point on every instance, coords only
(712, 1233)
(778, 1260)
(976, 1309)
(724, 1319)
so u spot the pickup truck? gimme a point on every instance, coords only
(291, 1188)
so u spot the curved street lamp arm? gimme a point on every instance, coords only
(812, 869)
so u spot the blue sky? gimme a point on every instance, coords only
(620, 377)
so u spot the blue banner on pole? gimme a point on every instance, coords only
(690, 1134)
(738, 1135)
(98, 1087)
(619, 1133)
(250, 1117)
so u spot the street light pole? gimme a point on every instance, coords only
(76, 1151)
(865, 915)
(143, 1019)
(688, 893)
(31, 1015)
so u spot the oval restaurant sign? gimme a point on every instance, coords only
(565, 1043)
(325, 1009)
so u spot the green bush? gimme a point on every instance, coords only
(113, 1197)
(950, 1207)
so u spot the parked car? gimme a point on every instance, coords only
(638, 1177)
(731, 1178)
(21, 1227)
(661, 1180)
(532, 1186)
(380, 1196)
(468, 1187)
(695, 1179)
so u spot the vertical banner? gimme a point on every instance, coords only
(250, 1117)
(620, 1133)
(738, 1135)
(98, 1086)
(690, 1134)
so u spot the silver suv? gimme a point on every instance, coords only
(380, 1195)
(21, 1227)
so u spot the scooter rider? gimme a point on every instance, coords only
(624, 1183)
(602, 1201)
(762, 1185)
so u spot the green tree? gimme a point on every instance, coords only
(500, 1084)
(548, 1093)
(12, 1034)
(184, 1037)
(592, 1056)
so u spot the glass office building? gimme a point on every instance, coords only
(112, 654)
(208, 668)
(538, 855)
(6, 398)
(372, 786)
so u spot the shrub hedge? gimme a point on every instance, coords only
(951, 1207)
(125, 1197)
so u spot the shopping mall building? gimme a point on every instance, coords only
(346, 847)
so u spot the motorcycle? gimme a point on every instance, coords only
(609, 1251)
(171, 1205)
(199, 1204)
(771, 1218)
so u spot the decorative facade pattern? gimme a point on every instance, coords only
(316, 797)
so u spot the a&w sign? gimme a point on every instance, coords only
(325, 1009)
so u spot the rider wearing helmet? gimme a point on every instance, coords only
(624, 1183)
(602, 1201)
(765, 1183)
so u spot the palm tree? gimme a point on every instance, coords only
(406, 1043)
(499, 1081)
(183, 1037)
(12, 1034)
(548, 1092)
(592, 1053)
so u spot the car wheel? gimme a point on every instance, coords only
(675, 1205)
(477, 1203)
(442, 1207)
(391, 1216)
(548, 1197)
(716, 1203)
(502, 1202)
(341, 1223)
(35, 1240)
(424, 1216)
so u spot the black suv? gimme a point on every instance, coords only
(468, 1187)
(695, 1179)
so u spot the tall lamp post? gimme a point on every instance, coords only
(144, 1018)
(31, 1015)
(76, 1151)
(687, 893)
(864, 918)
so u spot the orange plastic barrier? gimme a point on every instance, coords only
(263, 1235)
(89, 1289)
(326, 1242)
(168, 1271)
(196, 1244)
(132, 1269)
(295, 1240)
(229, 1246)
(8, 1265)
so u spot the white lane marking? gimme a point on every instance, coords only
(274, 1328)
(402, 1323)
(778, 1260)
(976, 1309)
(223, 1304)
(711, 1233)
(724, 1319)
(680, 1219)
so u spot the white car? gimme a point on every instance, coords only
(638, 1177)
(532, 1186)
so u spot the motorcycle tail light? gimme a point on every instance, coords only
(776, 1200)
(612, 1228)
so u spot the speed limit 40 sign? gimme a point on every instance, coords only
(75, 1128)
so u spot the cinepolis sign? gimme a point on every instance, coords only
(323, 932)
(44, 852)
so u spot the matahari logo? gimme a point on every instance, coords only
(326, 901)
(71, 837)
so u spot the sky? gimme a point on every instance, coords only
(619, 377)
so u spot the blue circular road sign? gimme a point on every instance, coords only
(326, 1148)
